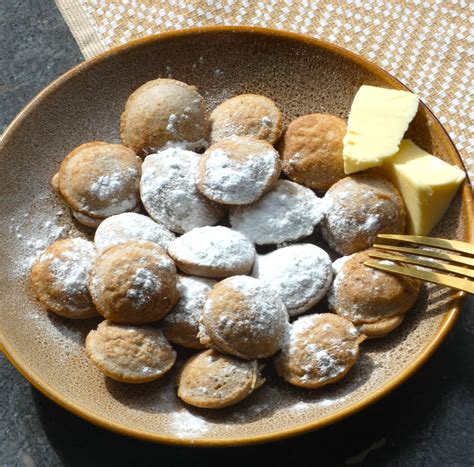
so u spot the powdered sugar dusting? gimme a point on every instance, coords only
(184, 424)
(193, 292)
(287, 212)
(304, 406)
(46, 230)
(112, 189)
(144, 284)
(198, 145)
(339, 263)
(131, 226)
(69, 270)
(300, 274)
(169, 192)
(233, 180)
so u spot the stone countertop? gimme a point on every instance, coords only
(428, 421)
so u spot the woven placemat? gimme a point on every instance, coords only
(428, 45)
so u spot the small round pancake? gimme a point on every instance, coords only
(365, 295)
(312, 150)
(133, 283)
(59, 277)
(358, 208)
(320, 350)
(287, 212)
(215, 252)
(129, 354)
(170, 194)
(238, 170)
(131, 226)
(212, 381)
(246, 115)
(181, 324)
(300, 274)
(161, 112)
(98, 180)
(243, 317)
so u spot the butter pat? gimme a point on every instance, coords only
(377, 122)
(427, 185)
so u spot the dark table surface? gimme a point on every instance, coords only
(428, 421)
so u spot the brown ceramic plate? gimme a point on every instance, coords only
(302, 75)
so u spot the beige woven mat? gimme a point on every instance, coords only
(428, 45)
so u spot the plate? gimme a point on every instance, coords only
(302, 75)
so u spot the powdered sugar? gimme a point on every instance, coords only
(287, 212)
(229, 179)
(46, 230)
(106, 186)
(69, 269)
(334, 290)
(338, 264)
(126, 204)
(111, 188)
(328, 366)
(184, 424)
(304, 406)
(170, 127)
(216, 247)
(169, 192)
(198, 145)
(131, 226)
(300, 274)
(193, 293)
(144, 284)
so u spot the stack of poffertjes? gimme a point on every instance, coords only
(182, 209)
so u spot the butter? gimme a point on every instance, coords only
(427, 185)
(377, 122)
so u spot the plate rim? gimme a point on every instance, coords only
(451, 315)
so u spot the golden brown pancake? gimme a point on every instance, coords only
(97, 180)
(212, 381)
(243, 317)
(133, 283)
(358, 208)
(130, 354)
(311, 150)
(246, 115)
(164, 112)
(59, 278)
(374, 300)
(320, 350)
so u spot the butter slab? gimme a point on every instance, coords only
(427, 185)
(378, 119)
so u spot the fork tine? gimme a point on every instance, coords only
(430, 253)
(445, 244)
(428, 264)
(434, 277)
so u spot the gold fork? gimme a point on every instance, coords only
(439, 260)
